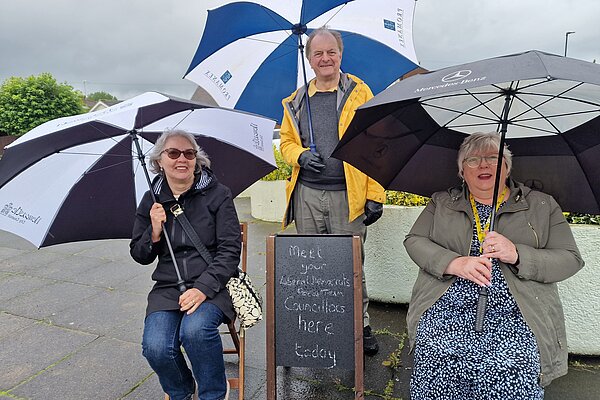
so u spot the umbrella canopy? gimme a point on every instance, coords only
(81, 178)
(248, 57)
(407, 137)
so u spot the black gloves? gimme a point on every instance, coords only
(311, 161)
(373, 211)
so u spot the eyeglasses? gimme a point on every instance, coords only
(174, 154)
(475, 161)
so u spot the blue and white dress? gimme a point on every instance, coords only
(452, 361)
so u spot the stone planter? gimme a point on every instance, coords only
(267, 200)
(391, 274)
(389, 270)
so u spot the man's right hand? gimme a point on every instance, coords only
(311, 161)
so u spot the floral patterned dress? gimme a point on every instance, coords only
(452, 361)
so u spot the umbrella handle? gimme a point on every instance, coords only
(311, 146)
(482, 301)
(142, 160)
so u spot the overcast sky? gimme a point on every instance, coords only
(126, 47)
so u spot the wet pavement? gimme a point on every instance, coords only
(71, 319)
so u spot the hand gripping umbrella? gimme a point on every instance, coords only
(82, 177)
(249, 54)
(546, 108)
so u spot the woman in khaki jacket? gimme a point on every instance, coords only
(522, 346)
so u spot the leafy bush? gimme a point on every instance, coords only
(409, 199)
(283, 171)
(97, 96)
(405, 199)
(588, 219)
(28, 102)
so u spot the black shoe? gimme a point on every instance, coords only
(370, 345)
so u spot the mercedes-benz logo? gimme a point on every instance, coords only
(454, 76)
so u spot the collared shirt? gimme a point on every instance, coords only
(312, 88)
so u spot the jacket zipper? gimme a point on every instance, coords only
(537, 240)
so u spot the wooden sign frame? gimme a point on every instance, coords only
(271, 347)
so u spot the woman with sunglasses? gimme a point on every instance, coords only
(189, 319)
(522, 345)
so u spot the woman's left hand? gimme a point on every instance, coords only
(190, 300)
(499, 247)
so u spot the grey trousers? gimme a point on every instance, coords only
(324, 211)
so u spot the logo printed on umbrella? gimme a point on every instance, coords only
(454, 79)
(400, 25)
(219, 84)
(257, 138)
(19, 215)
(455, 76)
(226, 76)
(387, 24)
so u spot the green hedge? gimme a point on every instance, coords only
(404, 199)
(584, 219)
(283, 171)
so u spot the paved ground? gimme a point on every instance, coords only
(71, 320)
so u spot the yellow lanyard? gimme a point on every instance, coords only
(480, 230)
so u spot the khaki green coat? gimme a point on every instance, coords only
(534, 222)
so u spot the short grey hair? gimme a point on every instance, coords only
(202, 159)
(324, 31)
(479, 142)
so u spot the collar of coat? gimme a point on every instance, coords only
(459, 196)
(202, 182)
(346, 84)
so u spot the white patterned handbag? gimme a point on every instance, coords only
(247, 301)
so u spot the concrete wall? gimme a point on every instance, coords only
(391, 274)
(267, 200)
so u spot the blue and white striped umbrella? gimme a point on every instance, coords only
(248, 57)
(81, 178)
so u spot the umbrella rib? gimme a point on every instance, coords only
(559, 115)
(467, 112)
(180, 121)
(83, 153)
(274, 20)
(108, 166)
(535, 108)
(266, 41)
(117, 142)
(460, 114)
(333, 16)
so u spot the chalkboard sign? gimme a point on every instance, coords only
(314, 304)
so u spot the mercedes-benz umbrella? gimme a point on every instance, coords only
(546, 107)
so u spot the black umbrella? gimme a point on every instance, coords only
(546, 107)
(407, 137)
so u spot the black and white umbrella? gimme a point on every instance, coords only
(81, 178)
(546, 106)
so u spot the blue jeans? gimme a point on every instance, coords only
(164, 334)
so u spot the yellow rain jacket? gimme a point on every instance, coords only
(352, 93)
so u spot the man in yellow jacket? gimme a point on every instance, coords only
(326, 195)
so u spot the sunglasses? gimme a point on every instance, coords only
(174, 154)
